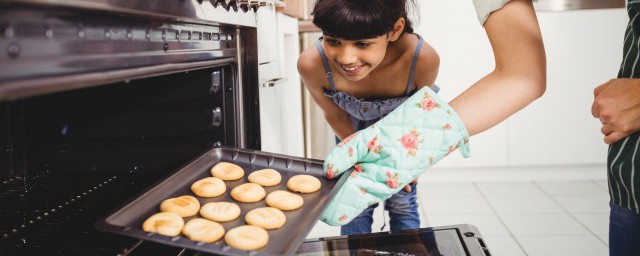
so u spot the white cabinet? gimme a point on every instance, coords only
(267, 29)
(267, 43)
(280, 92)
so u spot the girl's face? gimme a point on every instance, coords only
(355, 59)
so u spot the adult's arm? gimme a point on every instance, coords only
(519, 76)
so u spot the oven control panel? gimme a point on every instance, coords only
(236, 12)
(38, 44)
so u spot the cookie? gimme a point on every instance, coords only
(202, 230)
(220, 211)
(227, 171)
(208, 187)
(247, 237)
(185, 206)
(265, 177)
(303, 183)
(248, 193)
(164, 223)
(284, 200)
(266, 217)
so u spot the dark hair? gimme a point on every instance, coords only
(360, 19)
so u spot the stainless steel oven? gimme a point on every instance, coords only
(101, 99)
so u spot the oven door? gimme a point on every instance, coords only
(458, 240)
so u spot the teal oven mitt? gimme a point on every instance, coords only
(392, 153)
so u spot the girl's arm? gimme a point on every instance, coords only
(427, 66)
(337, 118)
(520, 73)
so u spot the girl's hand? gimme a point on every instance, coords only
(407, 188)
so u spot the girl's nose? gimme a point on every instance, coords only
(347, 56)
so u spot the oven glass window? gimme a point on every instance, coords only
(424, 243)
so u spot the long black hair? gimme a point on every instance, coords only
(360, 19)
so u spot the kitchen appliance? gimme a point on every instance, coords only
(103, 99)
(456, 240)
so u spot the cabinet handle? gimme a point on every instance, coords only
(273, 82)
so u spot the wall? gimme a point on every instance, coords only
(584, 49)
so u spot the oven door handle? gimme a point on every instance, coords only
(273, 82)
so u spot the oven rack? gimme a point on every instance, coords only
(48, 215)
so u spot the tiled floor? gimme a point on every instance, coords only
(533, 218)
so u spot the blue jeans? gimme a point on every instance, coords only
(403, 214)
(624, 231)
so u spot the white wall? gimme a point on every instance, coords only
(584, 49)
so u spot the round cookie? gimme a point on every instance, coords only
(303, 183)
(209, 187)
(265, 177)
(266, 217)
(284, 200)
(164, 223)
(185, 206)
(202, 230)
(248, 193)
(247, 237)
(227, 171)
(220, 211)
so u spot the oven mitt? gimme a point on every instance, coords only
(392, 153)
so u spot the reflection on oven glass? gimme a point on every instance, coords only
(444, 242)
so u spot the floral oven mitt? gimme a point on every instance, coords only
(392, 153)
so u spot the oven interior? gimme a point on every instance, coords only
(72, 157)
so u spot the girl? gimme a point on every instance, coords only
(371, 62)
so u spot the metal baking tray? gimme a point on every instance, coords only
(128, 219)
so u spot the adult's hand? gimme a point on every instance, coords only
(617, 104)
(392, 153)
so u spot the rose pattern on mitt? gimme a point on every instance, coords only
(392, 153)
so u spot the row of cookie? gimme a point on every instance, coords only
(250, 237)
(266, 177)
(187, 206)
(246, 237)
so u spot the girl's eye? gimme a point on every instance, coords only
(362, 44)
(331, 41)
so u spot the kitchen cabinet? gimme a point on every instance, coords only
(280, 91)
(267, 42)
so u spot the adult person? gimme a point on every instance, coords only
(617, 104)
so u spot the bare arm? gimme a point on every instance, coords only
(520, 73)
(337, 118)
(427, 66)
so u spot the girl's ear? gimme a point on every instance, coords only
(398, 28)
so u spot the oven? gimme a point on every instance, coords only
(101, 99)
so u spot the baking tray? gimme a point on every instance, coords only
(128, 219)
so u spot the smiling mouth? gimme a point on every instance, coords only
(352, 70)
